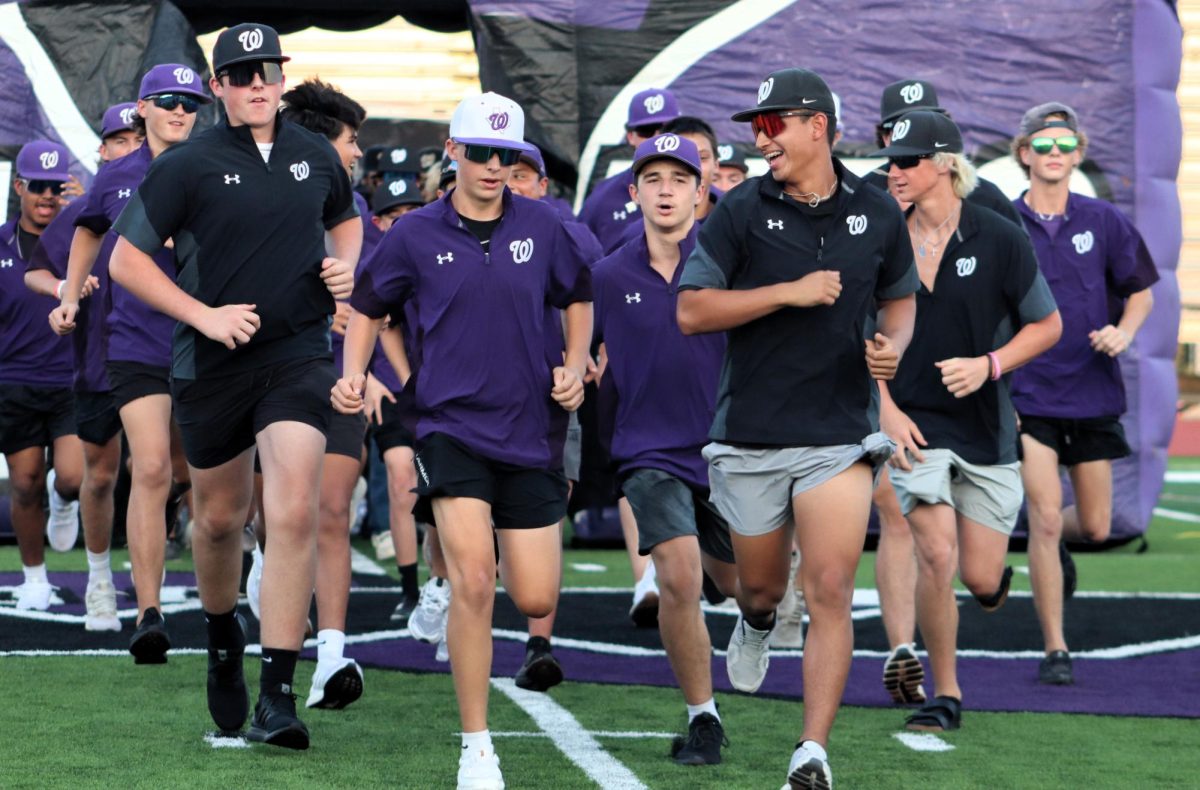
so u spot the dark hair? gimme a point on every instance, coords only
(322, 108)
(137, 124)
(690, 124)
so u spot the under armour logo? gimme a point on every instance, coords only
(124, 193)
(965, 266)
(49, 159)
(184, 75)
(6, 263)
(1083, 242)
(912, 93)
(299, 170)
(654, 103)
(398, 188)
(620, 216)
(774, 224)
(724, 153)
(634, 297)
(447, 258)
(498, 120)
(233, 179)
(857, 224)
(666, 143)
(521, 251)
(251, 39)
(901, 129)
(127, 115)
(399, 155)
(764, 90)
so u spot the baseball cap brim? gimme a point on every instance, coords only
(42, 175)
(902, 150)
(746, 115)
(494, 142)
(638, 164)
(891, 119)
(203, 97)
(251, 57)
(652, 120)
(412, 199)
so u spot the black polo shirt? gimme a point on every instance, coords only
(984, 194)
(987, 287)
(798, 376)
(246, 232)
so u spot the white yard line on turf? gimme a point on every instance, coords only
(570, 737)
(1177, 515)
(922, 741)
(362, 564)
(223, 742)
(1182, 477)
(597, 733)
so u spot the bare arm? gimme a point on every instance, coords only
(718, 309)
(568, 379)
(42, 282)
(85, 246)
(361, 332)
(1113, 340)
(895, 328)
(964, 375)
(344, 243)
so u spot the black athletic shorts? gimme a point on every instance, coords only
(133, 380)
(34, 416)
(219, 417)
(96, 418)
(346, 435)
(666, 507)
(1078, 441)
(521, 497)
(393, 432)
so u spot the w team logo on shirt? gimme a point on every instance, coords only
(184, 76)
(654, 103)
(522, 251)
(251, 39)
(666, 143)
(1083, 241)
(857, 224)
(49, 160)
(912, 93)
(900, 130)
(299, 170)
(965, 266)
(764, 90)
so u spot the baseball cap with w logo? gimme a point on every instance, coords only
(923, 132)
(667, 146)
(118, 118)
(245, 42)
(489, 119)
(791, 89)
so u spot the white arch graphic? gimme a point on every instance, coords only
(665, 68)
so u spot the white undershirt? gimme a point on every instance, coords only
(265, 150)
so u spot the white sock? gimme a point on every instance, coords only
(709, 707)
(481, 740)
(649, 576)
(35, 573)
(330, 644)
(99, 567)
(815, 749)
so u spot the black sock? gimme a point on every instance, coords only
(408, 580)
(278, 668)
(223, 630)
(761, 623)
(538, 644)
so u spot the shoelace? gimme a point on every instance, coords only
(706, 733)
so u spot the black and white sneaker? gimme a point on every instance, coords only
(150, 641)
(703, 743)
(541, 670)
(1056, 669)
(228, 703)
(1070, 574)
(275, 722)
(808, 771)
(903, 676)
(404, 609)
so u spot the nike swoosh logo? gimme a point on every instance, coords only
(807, 101)
(940, 145)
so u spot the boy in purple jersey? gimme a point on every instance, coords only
(36, 405)
(1071, 398)
(139, 344)
(661, 386)
(483, 267)
(96, 418)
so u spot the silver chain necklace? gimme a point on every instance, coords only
(933, 239)
(813, 199)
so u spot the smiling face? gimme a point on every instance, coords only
(254, 105)
(167, 127)
(1055, 166)
(346, 144)
(791, 152)
(667, 193)
(526, 182)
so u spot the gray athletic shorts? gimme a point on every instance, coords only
(573, 450)
(666, 507)
(990, 494)
(753, 488)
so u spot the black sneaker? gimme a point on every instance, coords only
(1055, 669)
(404, 609)
(275, 722)
(703, 744)
(996, 600)
(1070, 575)
(541, 669)
(228, 703)
(150, 641)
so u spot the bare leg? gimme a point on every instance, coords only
(147, 423)
(27, 481)
(895, 567)
(1043, 493)
(637, 563)
(1090, 520)
(100, 463)
(402, 479)
(935, 531)
(338, 477)
(680, 621)
(222, 496)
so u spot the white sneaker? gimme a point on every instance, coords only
(748, 656)
(807, 771)
(335, 684)
(644, 611)
(62, 530)
(443, 652)
(101, 599)
(789, 617)
(479, 769)
(254, 582)
(385, 549)
(428, 622)
(34, 595)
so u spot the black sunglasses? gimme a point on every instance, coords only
(169, 101)
(39, 186)
(484, 153)
(907, 162)
(649, 130)
(242, 74)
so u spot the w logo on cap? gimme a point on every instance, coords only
(398, 188)
(901, 130)
(399, 155)
(183, 76)
(912, 93)
(666, 143)
(498, 120)
(127, 114)
(299, 170)
(764, 90)
(49, 160)
(724, 153)
(965, 266)
(251, 39)
(654, 103)
(522, 251)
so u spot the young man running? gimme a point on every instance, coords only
(248, 204)
(983, 309)
(791, 264)
(1070, 399)
(661, 388)
(483, 268)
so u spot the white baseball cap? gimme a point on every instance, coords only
(489, 119)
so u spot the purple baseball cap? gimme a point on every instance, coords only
(655, 106)
(43, 160)
(173, 78)
(668, 146)
(533, 158)
(118, 118)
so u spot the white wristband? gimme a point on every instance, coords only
(58, 289)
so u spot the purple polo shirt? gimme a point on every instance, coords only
(1093, 262)
(562, 206)
(136, 333)
(371, 237)
(480, 320)
(89, 341)
(661, 384)
(30, 352)
(609, 211)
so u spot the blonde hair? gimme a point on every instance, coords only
(962, 172)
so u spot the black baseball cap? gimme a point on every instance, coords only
(906, 96)
(924, 132)
(729, 155)
(791, 89)
(247, 41)
(1034, 119)
(399, 189)
(449, 172)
